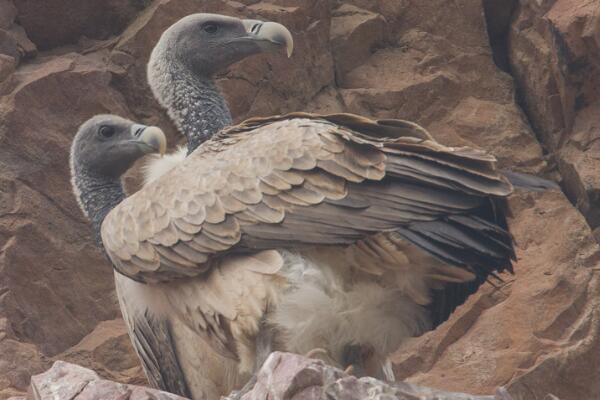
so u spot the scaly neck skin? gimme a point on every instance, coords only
(97, 196)
(194, 103)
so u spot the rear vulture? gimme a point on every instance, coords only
(291, 232)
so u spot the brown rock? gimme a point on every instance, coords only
(537, 331)
(446, 81)
(355, 33)
(107, 350)
(498, 15)
(51, 23)
(17, 362)
(391, 10)
(8, 45)
(427, 61)
(555, 56)
(13, 39)
(8, 12)
(46, 241)
(56, 286)
(25, 46)
(7, 66)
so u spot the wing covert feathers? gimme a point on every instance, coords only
(304, 179)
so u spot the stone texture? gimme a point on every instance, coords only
(55, 285)
(286, 376)
(498, 17)
(51, 23)
(8, 13)
(18, 361)
(354, 35)
(107, 351)
(555, 55)
(65, 381)
(7, 66)
(537, 331)
(14, 41)
(442, 75)
(427, 61)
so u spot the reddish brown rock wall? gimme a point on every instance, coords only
(428, 61)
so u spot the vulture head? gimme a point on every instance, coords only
(190, 53)
(107, 145)
(205, 44)
(103, 149)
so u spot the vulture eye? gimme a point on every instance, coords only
(210, 28)
(106, 131)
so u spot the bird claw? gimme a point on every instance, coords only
(349, 370)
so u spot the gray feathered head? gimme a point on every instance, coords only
(107, 145)
(205, 44)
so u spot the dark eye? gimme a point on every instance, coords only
(210, 27)
(106, 131)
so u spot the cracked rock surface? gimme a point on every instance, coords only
(521, 83)
(284, 376)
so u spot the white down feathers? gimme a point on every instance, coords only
(157, 166)
(324, 307)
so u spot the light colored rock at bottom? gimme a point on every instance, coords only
(286, 376)
(65, 381)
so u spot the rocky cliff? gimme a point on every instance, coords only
(520, 78)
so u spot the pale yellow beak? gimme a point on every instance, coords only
(154, 137)
(270, 33)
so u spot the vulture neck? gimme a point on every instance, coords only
(97, 196)
(195, 104)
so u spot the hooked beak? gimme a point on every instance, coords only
(269, 36)
(151, 139)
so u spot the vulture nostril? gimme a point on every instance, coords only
(256, 28)
(138, 132)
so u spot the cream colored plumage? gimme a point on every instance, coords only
(313, 228)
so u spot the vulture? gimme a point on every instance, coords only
(304, 231)
(297, 232)
(103, 149)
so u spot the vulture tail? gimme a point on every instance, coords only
(529, 182)
(154, 345)
(479, 241)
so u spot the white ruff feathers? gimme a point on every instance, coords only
(157, 166)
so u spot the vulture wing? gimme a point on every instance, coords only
(152, 338)
(154, 345)
(302, 179)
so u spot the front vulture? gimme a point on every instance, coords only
(307, 231)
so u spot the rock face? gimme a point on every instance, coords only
(554, 52)
(522, 83)
(284, 376)
(537, 331)
(288, 376)
(66, 381)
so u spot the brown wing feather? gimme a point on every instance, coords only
(302, 179)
